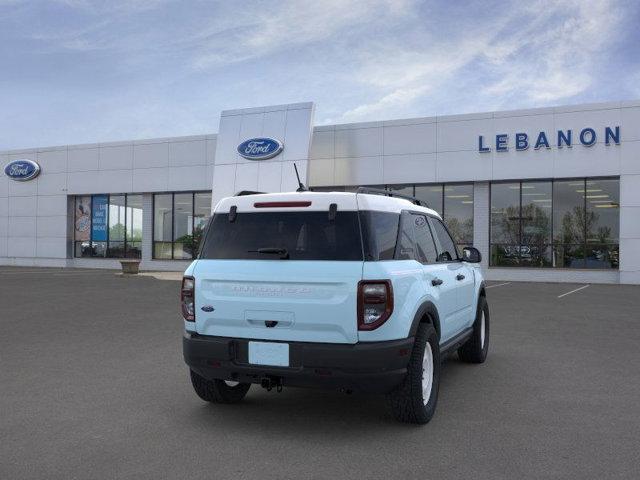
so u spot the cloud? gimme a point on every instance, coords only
(125, 69)
(404, 77)
(262, 32)
(555, 63)
(541, 53)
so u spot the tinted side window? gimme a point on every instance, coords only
(425, 246)
(447, 250)
(380, 232)
(406, 238)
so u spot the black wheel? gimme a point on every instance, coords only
(476, 348)
(218, 391)
(414, 401)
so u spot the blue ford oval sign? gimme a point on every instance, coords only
(22, 170)
(260, 148)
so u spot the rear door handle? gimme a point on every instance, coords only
(459, 277)
(436, 281)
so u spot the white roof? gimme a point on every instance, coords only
(319, 201)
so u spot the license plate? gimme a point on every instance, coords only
(269, 353)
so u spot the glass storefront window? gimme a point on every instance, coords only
(162, 225)
(179, 221)
(183, 226)
(134, 226)
(454, 202)
(564, 224)
(569, 223)
(117, 219)
(400, 189)
(458, 213)
(108, 226)
(603, 223)
(535, 229)
(505, 224)
(431, 195)
(201, 213)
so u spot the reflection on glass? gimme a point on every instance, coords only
(183, 226)
(179, 222)
(134, 226)
(535, 243)
(431, 195)
(117, 221)
(602, 256)
(201, 213)
(162, 225)
(568, 256)
(569, 223)
(504, 255)
(458, 212)
(99, 249)
(162, 250)
(603, 211)
(401, 189)
(505, 224)
(568, 212)
(564, 224)
(162, 216)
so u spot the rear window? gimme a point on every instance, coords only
(267, 235)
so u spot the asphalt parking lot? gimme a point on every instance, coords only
(92, 385)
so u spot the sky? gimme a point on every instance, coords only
(80, 71)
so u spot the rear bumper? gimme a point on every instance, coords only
(375, 367)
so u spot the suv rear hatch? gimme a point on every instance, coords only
(282, 267)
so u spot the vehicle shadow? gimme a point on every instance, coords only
(315, 411)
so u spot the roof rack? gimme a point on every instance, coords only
(247, 192)
(390, 193)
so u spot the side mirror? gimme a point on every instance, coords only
(471, 255)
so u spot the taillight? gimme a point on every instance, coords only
(375, 303)
(187, 298)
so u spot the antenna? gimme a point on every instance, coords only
(301, 187)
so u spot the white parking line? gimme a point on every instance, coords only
(69, 274)
(498, 285)
(56, 273)
(573, 291)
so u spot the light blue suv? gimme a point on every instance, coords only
(357, 291)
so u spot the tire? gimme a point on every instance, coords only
(218, 391)
(476, 348)
(407, 402)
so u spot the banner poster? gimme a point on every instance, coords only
(83, 219)
(99, 218)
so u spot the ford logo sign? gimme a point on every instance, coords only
(260, 148)
(22, 170)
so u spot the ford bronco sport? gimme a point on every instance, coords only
(357, 291)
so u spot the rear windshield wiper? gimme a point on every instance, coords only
(284, 254)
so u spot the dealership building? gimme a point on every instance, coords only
(548, 194)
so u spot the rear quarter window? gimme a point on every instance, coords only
(380, 233)
(304, 236)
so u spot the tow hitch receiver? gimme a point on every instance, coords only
(269, 383)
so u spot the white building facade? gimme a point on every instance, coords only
(549, 194)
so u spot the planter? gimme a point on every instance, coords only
(130, 266)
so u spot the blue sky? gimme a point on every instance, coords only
(76, 71)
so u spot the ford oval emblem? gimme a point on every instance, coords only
(22, 170)
(260, 148)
